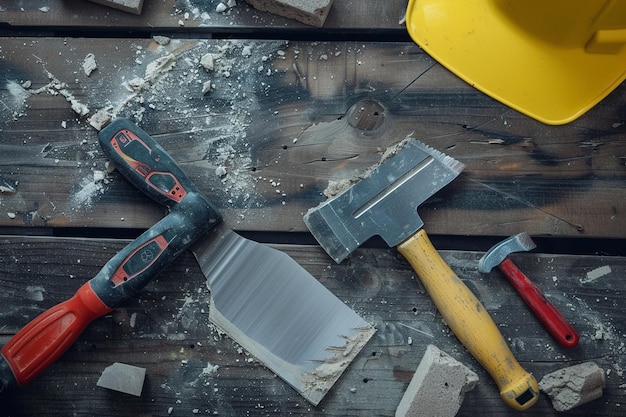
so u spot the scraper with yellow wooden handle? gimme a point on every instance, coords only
(385, 204)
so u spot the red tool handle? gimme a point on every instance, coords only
(546, 312)
(43, 340)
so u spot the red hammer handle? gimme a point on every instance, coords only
(545, 311)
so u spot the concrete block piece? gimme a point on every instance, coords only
(573, 386)
(123, 378)
(438, 386)
(311, 12)
(130, 6)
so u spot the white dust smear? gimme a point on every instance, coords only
(88, 189)
(16, 102)
(162, 86)
(168, 85)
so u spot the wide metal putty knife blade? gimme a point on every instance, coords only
(280, 313)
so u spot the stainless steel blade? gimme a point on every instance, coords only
(385, 203)
(280, 313)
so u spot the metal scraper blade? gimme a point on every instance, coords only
(280, 313)
(385, 203)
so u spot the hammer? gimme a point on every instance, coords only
(545, 311)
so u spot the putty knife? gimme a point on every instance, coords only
(385, 204)
(261, 297)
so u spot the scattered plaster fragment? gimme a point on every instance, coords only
(220, 171)
(170, 411)
(136, 84)
(231, 3)
(246, 51)
(159, 67)
(335, 188)
(27, 84)
(161, 40)
(595, 274)
(133, 320)
(44, 9)
(573, 386)
(123, 378)
(78, 107)
(210, 369)
(221, 8)
(89, 64)
(101, 118)
(206, 87)
(208, 61)
(11, 215)
(311, 12)
(438, 386)
(6, 188)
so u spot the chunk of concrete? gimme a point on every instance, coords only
(573, 386)
(123, 378)
(130, 6)
(438, 386)
(311, 12)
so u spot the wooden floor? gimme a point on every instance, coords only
(291, 109)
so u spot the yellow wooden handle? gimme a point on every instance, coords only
(470, 322)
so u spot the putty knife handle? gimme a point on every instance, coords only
(42, 341)
(546, 312)
(146, 164)
(470, 322)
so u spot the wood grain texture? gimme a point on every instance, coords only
(198, 16)
(284, 120)
(166, 330)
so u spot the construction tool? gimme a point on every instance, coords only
(560, 329)
(262, 298)
(385, 204)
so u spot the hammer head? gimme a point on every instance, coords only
(385, 203)
(521, 242)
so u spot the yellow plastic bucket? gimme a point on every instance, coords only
(550, 59)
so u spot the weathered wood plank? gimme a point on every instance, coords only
(284, 119)
(166, 330)
(196, 16)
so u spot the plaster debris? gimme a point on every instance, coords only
(208, 62)
(206, 87)
(89, 64)
(161, 40)
(311, 12)
(438, 386)
(101, 118)
(7, 189)
(159, 67)
(210, 369)
(123, 378)
(595, 274)
(130, 6)
(573, 386)
(221, 8)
